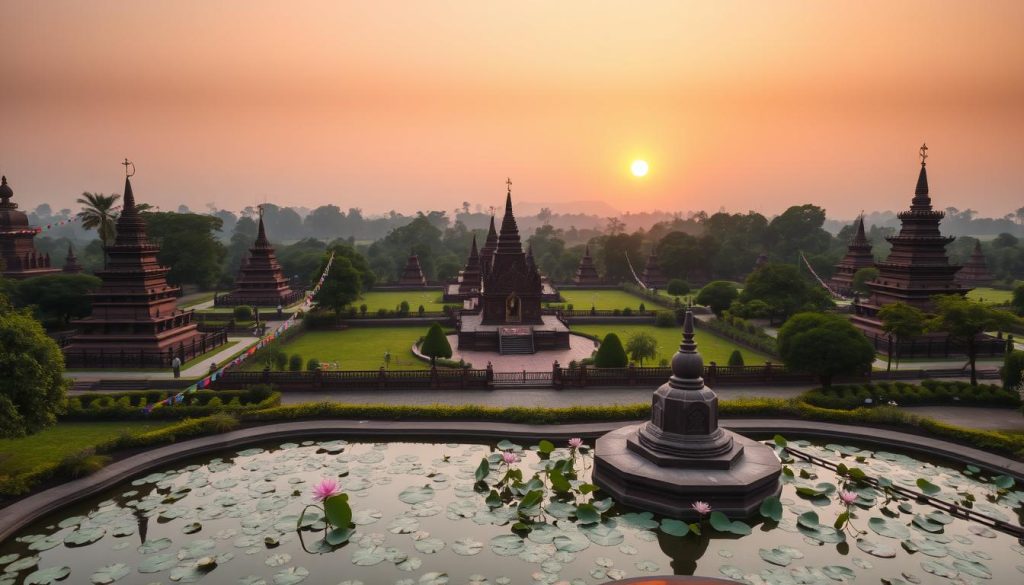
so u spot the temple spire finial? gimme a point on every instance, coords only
(261, 235)
(924, 153)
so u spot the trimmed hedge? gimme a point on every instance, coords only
(928, 393)
(130, 405)
(741, 331)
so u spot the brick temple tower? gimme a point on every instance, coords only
(858, 256)
(20, 258)
(260, 281)
(586, 272)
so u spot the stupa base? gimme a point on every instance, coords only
(633, 480)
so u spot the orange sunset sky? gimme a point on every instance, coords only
(421, 105)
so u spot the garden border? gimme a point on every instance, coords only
(31, 508)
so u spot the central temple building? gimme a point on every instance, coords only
(506, 314)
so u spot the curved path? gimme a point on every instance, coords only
(17, 515)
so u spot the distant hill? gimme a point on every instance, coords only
(598, 208)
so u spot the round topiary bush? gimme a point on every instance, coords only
(243, 313)
(665, 319)
(611, 353)
(677, 287)
(736, 358)
(313, 364)
(295, 363)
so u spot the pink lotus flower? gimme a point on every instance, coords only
(702, 508)
(509, 457)
(575, 442)
(325, 489)
(848, 498)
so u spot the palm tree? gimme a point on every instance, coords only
(98, 214)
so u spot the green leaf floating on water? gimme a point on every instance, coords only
(558, 482)
(771, 508)
(338, 536)
(530, 504)
(927, 487)
(780, 441)
(416, 494)
(721, 523)
(889, 528)
(587, 514)
(338, 510)
(110, 573)
(808, 520)
(675, 527)
(546, 447)
(1004, 482)
(47, 576)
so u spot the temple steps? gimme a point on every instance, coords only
(516, 344)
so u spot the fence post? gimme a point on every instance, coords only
(266, 374)
(630, 374)
(767, 372)
(712, 372)
(556, 375)
(433, 377)
(490, 375)
(382, 378)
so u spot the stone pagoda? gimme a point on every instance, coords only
(586, 272)
(19, 257)
(260, 281)
(651, 276)
(412, 274)
(975, 272)
(510, 319)
(858, 256)
(71, 265)
(135, 321)
(681, 455)
(469, 279)
(487, 252)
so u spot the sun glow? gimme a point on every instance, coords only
(639, 168)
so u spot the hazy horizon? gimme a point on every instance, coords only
(421, 106)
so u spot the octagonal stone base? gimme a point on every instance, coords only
(636, 481)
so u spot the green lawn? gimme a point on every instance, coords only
(991, 296)
(604, 299)
(62, 439)
(358, 348)
(374, 300)
(712, 347)
(196, 299)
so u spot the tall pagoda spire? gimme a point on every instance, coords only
(975, 272)
(260, 280)
(71, 265)
(261, 234)
(508, 238)
(858, 256)
(470, 279)
(922, 202)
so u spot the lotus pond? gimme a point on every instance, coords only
(428, 514)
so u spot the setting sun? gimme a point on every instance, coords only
(639, 168)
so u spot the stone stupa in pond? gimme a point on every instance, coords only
(681, 455)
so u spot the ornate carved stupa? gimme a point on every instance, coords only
(260, 281)
(681, 455)
(135, 321)
(975, 272)
(71, 265)
(510, 319)
(858, 256)
(412, 274)
(652, 276)
(469, 279)
(586, 272)
(19, 256)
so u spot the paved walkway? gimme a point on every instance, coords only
(579, 348)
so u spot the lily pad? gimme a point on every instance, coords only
(429, 545)
(416, 494)
(602, 535)
(110, 573)
(721, 523)
(878, 549)
(888, 528)
(467, 547)
(675, 527)
(927, 487)
(291, 576)
(369, 556)
(47, 576)
(157, 563)
(84, 536)
(506, 545)
(771, 508)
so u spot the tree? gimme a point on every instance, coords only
(825, 345)
(98, 214)
(58, 297)
(785, 291)
(32, 385)
(862, 277)
(683, 256)
(736, 358)
(677, 287)
(341, 287)
(965, 321)
(798, 229)
(188, 245)
(1012, 373)
(641, 346)
(901, 322)
(1018, 300)
(435, 345)
(610, 354)
(717, 295)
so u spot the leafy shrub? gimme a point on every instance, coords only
(627, 312)
(215, 402)
(736, 358)
(929, 392)
(313, 365)
(130, 405)
(1013, 370)
(82, 463)
(741, 331)
(421, 310)
(280, 359)
(242, 313)
(610, 354)
(665, 319)
(677, 287)
(295, 363)
(403, 308)
(643, 308)
(363, 309)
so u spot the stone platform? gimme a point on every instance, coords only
(635, 481)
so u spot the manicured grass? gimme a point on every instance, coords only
(196, 299)
(712, 347)
(390, 300)
(358, 348)
(53, 444)
(604, 299)
(991, 296)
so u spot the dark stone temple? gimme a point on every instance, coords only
(412, 274)
(71, 265)
(19, 256)
(975, 272)
(681, 455)
(586, 272)
(260, 281)
(470, 279)
(858, 256)
(506, 316)
(916, 270)
(135, 321)
(652, 276)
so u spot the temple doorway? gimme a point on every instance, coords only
(513, 309)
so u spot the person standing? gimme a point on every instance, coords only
(176, 366)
